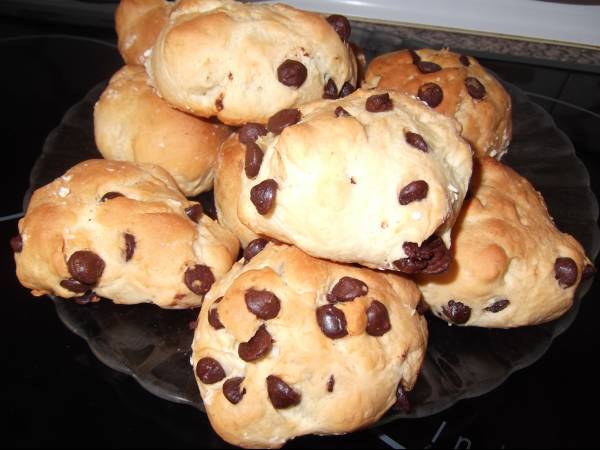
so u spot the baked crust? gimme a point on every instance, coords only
(366, 369)
(486, 123)
(229, 169)
(505, 247)
(131, 123)
(340, 180)
(73, 214)
(221, 58)
(138, 23)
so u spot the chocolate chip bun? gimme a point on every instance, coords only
(455, 85)
(131, 123)
(244, 62)
(123, 231)
(375, 178)
(288, 345)
(511, 267)
(138, 23)
(228, 170)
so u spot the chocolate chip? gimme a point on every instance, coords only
(258, 346)
(254, 248)
(332, 321)
(475, 88)
(415, 57)
(281, 394)
(251, 132)
(417, 190)
(347, 89)
(565, 271)
(85, 266)
(213, 316)
(194, 212)
(199, 279)
(110, 196)
(412, 192)
(411, 265)
(330, 90)
(74, 286)
(339, 111)
(457, 312)
(219, 103)
(283, 119)
(232, 391)
(416, 141)
(16, 243)
(209, 370)
(253, 159)
(402, 403)
(330, 383)
(347, 289)
(378, 319)
(464, 60)
(431, 257)
(263, 196)
(292, 73)
(379, 103)
(422, 307)
(498, 306)
(361, 62)
(427, 67)
(263, 304)
(129, 246)
(431, 94)
(213, 319)
(588, 272)
(341, 25)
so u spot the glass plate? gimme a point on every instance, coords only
(153, 345)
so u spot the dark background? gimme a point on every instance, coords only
(53, 390)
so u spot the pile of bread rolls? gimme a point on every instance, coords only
(361, 198)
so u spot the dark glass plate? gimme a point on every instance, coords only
(153, 345)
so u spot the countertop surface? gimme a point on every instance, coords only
(97, 17)
(55, 392)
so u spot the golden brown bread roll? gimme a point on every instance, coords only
(455, 85)
(131, 123)
(243, 62)
(512, 267)
(335, 347)
(138, 23)
(123, 231)
(375, 178)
